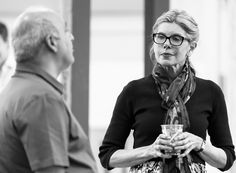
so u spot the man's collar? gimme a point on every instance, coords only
(36, 70)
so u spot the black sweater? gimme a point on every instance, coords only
(138, 108)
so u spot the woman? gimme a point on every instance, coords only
(172, 94)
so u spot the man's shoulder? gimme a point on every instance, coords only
(32, 84)
(23, 91)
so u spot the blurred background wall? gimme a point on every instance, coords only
(117, 41)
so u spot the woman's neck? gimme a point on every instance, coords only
(174, 70)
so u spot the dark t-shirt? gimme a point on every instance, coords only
(138, 108)
(37, 129)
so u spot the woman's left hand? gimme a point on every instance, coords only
(186, 142)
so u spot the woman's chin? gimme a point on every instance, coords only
(166, 63)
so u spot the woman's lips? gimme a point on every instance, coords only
(167, 54)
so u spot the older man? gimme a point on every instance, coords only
(38, 132)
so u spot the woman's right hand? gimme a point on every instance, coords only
(131, 157)
(160, 146)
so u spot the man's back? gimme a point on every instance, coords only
(13, 100)
(36, 124)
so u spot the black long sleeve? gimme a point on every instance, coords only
(138, 107)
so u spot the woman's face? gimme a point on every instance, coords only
(167, 54)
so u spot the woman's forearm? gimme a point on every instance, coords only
(214, 156)
(130, 157)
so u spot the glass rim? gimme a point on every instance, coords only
(172, 125)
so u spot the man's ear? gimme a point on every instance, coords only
(52, 42)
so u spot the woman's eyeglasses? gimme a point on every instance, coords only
(175, 39)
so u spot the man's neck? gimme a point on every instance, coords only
(52, 70)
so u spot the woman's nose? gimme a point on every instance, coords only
(167, 44)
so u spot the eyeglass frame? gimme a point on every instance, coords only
(166, 37)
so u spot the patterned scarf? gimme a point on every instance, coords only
(175, 93)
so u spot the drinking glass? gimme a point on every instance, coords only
(171, 130)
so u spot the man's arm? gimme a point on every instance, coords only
(43, 130)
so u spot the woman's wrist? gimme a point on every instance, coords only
(154, 152)
(150, 152)
(202, 146)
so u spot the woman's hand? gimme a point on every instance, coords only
(186, 142)
(161, 147)
(131, 157)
